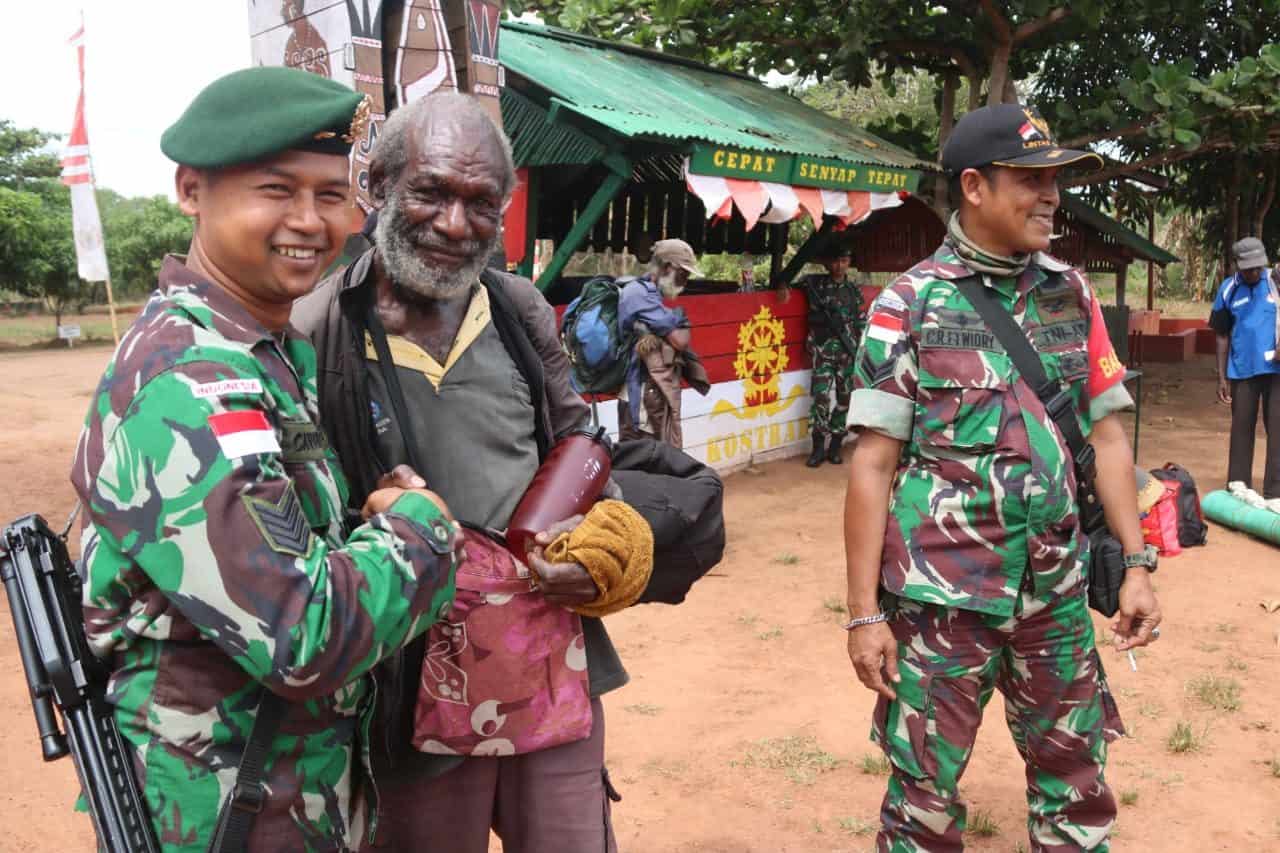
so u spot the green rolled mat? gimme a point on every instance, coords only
(1225, 508)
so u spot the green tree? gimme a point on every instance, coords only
(139, 232)
(24, 156)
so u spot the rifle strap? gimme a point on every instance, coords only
(249, 795)
(1057, 400)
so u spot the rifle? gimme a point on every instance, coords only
(842, 330)
(43, 588)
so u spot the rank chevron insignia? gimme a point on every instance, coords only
(282, 524)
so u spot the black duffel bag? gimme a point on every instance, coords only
(683, 501)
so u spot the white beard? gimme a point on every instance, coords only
(667, 286)
(397, 249)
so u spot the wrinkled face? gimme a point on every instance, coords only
(838, 267)
(1012, 212)
(672, 280)
(270, 229)
(1251, 276)
(440, 220)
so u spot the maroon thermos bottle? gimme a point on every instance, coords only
(566, 484)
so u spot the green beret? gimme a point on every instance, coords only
(257, 112)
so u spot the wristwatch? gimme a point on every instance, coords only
(1147, 558)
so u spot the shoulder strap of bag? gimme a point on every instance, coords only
(1057, 400)
(249, 795)
(391, 379)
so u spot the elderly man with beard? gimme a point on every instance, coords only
(661, 358)
(485, 394)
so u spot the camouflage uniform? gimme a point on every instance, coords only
(217, 567)
(832, 361)
(982, 560)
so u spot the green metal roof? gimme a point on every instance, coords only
(1143, 248)
(644, 95)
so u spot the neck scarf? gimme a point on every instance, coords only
(980, 260)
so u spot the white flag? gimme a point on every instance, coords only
(91, 253)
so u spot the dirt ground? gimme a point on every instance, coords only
(743, 728)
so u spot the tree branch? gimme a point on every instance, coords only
(998, 21)
(1121, 133)
(1172, 155)
(1031, 28)
(956, 54)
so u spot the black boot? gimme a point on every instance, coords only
(833, 450)
(819, 452)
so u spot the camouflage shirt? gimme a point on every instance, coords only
(985, 488)
(216, 566)
(830, 299)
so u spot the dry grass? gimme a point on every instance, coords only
(982, 824)
(874, 765)
(1183, 739)
(799, 755)
(1221, 694)
(858, 826)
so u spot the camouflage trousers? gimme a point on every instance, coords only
(832, 370)
(1057, 706)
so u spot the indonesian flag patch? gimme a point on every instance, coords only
(1028, 132)
(885, 327)
(245, 433)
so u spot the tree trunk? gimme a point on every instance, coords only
(999, 73)
(975, 93)
(1268, 196)
(1232, 208)
(946, 121)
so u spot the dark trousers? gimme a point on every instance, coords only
(1247, 395)
(553, 801)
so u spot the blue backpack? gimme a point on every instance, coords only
(599, 352)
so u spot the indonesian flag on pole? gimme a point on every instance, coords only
(91, 254)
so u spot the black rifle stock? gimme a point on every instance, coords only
(43, 589)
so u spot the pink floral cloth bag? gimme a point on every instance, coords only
(504, 673)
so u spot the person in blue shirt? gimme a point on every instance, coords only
(1244, 316)
(662, 357)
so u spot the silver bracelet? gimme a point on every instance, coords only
(859, 621)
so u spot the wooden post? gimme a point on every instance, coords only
(803, 254)
(778, 249)
(1151, 266)
(619, 174)
(111, 309)
(1122, 274)
(530, 222)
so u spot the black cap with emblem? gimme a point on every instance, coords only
(1006, 135)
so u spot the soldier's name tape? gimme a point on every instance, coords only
(245, 433)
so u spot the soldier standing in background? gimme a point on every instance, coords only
(836, 317)
(965, 558)
(220, 580)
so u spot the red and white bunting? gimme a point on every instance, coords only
(764, 201)
(77, 173)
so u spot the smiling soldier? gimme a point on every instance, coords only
(238, 614)
(964, 551)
